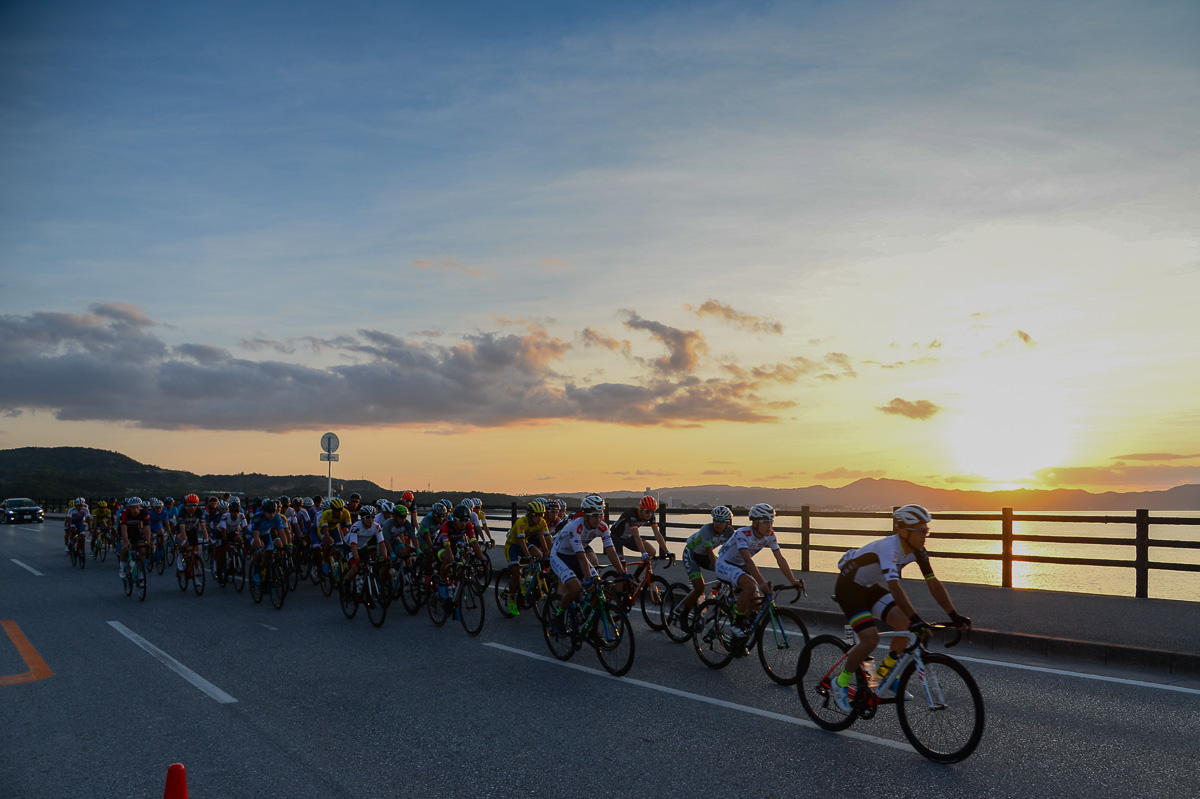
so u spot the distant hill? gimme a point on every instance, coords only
(62, 472)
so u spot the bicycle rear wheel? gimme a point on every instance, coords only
(501, 593)
(237, 570)
(257, 579)
(820, 663)
(438, 607)
(471, 608)
(73, 554)
(104, 549)
(558, 640)
(139, 584)
(652, 602)
(198, 576)
(944, 718)
(160, 559)
(127, 580)
(181, 577)
(711, 634)
(780, 642)
(613, 639)
(412, 594)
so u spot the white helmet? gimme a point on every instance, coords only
(134, 502)
(592, 504)
(722, 514)
(910, 516)
(80, 502)
(762, 511)
(384, 506)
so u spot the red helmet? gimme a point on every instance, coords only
(191, 499)
(649, 503)
(407, 496)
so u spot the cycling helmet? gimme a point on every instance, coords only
(537, 506)
(298, 501)
(233, 504)
(169, 501)
(155, 502)
(222, 505)
(101, 504)
(133, 502)
(761, 511)
(284, 501)
(648, 503)
(269, 506)
(355, 496)
(337, 503)
(367, 512)
(191, 499)
(213, 500)
(910, 516)
(593, 505)
(447, 504)
(400, 510)
(722, 514)
(438, 510)
(462, 514)
(80, 502)
(407, 496)
(326, 505)
(384, 506)
(308, 503)
(476, 503)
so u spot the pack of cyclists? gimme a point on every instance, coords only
(868, 588)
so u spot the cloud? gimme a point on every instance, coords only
(684, 346)
(756, 324)
(448, 265)
(848, 474)
(482, 379)
(971, 479)
(920, 409)
(121, 312)
(1119, 475)
(555, 265)
(718, 472)
(650, 473)
(1026, 338)
(594, 338)
(1155, 456)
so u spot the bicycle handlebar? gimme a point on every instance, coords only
(943, 625)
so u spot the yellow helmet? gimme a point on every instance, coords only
(101, 504)
(337, 504)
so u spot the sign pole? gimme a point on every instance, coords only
(329, 443)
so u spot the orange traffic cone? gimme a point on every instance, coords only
(176, 783)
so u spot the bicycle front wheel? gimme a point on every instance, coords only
(819, 665)
(438, 606)
(613, 639)
(781, 639)
(711, 635)
(674, 614)
(198, 576)
(236, 570)
(471, 607)
(652, 602)
(411, 593)
(944, 717)
(559, 641)
(376, 605)
(501, 593)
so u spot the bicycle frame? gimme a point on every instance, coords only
(913, 653)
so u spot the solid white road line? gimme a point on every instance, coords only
(269, 627)
(174, 665)
(27, 567)
(1081, 675)
(799, 722)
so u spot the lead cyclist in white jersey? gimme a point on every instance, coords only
(735, 565)
(868, 590)
(568, 553)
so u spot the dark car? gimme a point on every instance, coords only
(21, 510)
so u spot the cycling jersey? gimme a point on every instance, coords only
(265, 527)
(134, 522)
(393, 529)
(102, 516)
(233, 523)
(447, 532)
(364, 535)
(575, 536)
(157, 519)
(335, 518)
(524, 528)
(745, 538)
(629, 522)
(190, 523)
(707, 538)
(78, 517)
(881, 561)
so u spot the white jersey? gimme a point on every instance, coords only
(231, 523)
(575, 536)
(745, 538)
(364, 534)
(881, 561)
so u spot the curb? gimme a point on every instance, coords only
(1180, 664)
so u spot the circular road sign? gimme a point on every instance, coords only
(329, 442)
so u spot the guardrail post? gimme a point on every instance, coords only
(514, 513)
(662, 521)
(805, 528)
(1006, 547)
(1142, 559)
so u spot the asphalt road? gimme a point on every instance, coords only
(303, 703)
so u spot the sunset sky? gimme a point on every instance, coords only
(530, 246)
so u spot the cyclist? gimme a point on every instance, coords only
(735, 565)
(398, 530)
(553, 507)
(189, 525)
(524, 540)
(868, 590)
(480, 520)
(212, 512)
(454, 533)
(353, 504)
(172, 512)
(334, 520)
(135, 522)
(700, 552)
(431, 525)
(265, 527)
(230, 528)
(625, 529)
(103, 517)
(568, 558)
(76, 521)
(409, 500)
(367, 533)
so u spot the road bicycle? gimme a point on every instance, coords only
(229, 562)
(778, 633)
(458, 597)
(158, 555)
(135, 574)
(78, 548)
(100, 544)
(333, 566)
(535, 581)
(193, 569)
(272, 579)
(938, 704)
(596, 619)
(647, 587)
(365, 590)
(678, 624)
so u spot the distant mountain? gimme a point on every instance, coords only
(62, 472)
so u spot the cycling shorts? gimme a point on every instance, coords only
(694, 561)
(566, 567)
(863, 605)
(728, 572)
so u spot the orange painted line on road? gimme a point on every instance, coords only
(38, 670)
